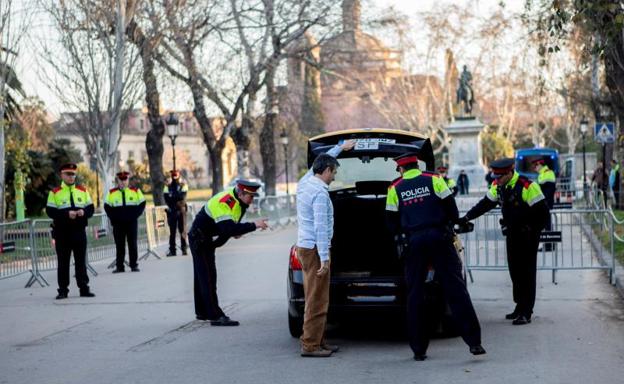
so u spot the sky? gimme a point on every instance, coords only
(29, 66)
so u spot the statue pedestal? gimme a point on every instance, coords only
(465, 151)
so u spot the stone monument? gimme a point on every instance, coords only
(465, 150)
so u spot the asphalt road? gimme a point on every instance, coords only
(141, 329)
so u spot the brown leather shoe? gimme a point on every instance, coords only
(316, 353)
(329, 347)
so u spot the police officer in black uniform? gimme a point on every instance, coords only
(175, 198)
(70, 207)
(214, 225)
(421, 206)
(525, 215)
(124, 205)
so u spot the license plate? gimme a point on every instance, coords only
(371, 144)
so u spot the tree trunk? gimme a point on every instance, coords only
(216, 166)
(214, 146)
(153, 139)
(242, 140)
(155, 150)
(267, 135)
(267, 150)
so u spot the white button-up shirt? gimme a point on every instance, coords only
(315, 212)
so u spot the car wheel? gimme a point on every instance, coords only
(295, 325)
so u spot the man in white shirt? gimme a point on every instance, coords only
(315, 214)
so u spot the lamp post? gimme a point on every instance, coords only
(584, 126)
(284, 141)
(172, 131)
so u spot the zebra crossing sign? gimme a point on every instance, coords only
(603, 132)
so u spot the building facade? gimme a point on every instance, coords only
(191, 153)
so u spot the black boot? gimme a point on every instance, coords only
(86, 293)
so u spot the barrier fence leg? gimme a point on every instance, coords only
(149, 225)
(89, 267)
(612, 245)
(35, 276)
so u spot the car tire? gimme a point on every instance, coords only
(295, 326)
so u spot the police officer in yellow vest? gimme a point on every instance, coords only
(215, 223)
(175, 198)
(124, 205)
(421, 206)
(548, 183)
(70, 207)
(525, 214)
(450, 182)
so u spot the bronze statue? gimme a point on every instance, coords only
(464, 91)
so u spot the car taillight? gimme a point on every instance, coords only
(295, 265)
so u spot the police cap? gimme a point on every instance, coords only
(406, 158)
(501, 167)
(250, 187)
(123, 175)
(69, 168)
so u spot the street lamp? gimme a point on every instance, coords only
(584, 127)
(284, 141)
(172, 131)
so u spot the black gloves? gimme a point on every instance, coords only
(462, 221)
(463, 225)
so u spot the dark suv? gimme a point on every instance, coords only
(366, 270)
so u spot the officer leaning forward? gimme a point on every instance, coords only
(175, 198)
(70, 207)
(124, 205)
(420, 205)
(215, 223)
(525, 215)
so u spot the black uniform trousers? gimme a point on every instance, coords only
(177, 222)
(522, 261)
(126, 231)
(205, 277)
(436, 247)
(67, 242)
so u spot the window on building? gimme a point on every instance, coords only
(142, 125)
(130, 155)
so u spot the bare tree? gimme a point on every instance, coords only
(230, 82)
(94, 73)
(146, 38)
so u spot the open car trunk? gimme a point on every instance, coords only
(362, 245)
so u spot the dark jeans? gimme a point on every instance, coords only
(177, 221)
(122, 232)
(205, 277)
(74, 241)
(436, 247)
(522, 261)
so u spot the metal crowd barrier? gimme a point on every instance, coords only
(582, 235)
(15, 248)
(28, 246)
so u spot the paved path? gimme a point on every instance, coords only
(140, 329)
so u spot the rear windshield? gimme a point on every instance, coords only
(353, 169)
